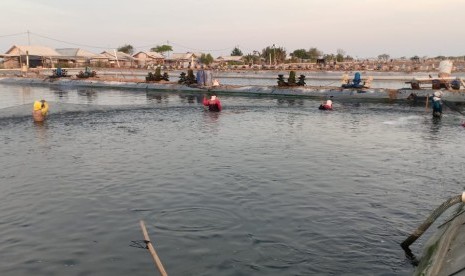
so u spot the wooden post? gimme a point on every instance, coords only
(152, 250)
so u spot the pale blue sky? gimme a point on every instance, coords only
(362, 28)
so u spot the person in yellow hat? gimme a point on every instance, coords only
(40, 110)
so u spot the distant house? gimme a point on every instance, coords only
(120, 60)
(185, 60)
(34, 56)
(76, 57)
(233, 59)
(229, 60)
(149, 59)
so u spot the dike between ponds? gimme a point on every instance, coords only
(319, 92)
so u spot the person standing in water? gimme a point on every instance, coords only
(436, 103)
(40, 110)
(213, 103)
(328, 105)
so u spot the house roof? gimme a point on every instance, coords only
(229, 58)
(33, 50)
(183, 56)
(75, 52)
(154, 55)
(120, 55)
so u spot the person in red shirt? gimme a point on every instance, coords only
(213, 103)
(326, 106)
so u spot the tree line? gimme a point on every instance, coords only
(277, 55)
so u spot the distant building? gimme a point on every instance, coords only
(228, 60)
(76, 57)
(34, 56)
(237, 59)
(149, 59)
(184, 60)
(119, 60)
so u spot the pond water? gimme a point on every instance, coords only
(269, 186)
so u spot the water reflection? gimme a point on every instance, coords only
(435, 128)
(89, 94)
(59, 93)
(26, 90)
(192, 98)
(41, 131)
(211, 119)
(290, 102)
(156, 97)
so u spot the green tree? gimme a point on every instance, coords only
(314, 54)
(236, 52)
(383, 57)
(340, 55)
(300, 53)
(415, 58)
(206, 59)
(253, 58)
(329, 57)
(248, 58)
(128, 49)
(274, 55)
(161, 49)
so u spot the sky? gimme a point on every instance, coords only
(361, 28)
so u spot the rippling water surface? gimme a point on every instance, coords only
(269, 186)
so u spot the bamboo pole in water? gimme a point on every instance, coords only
(150, 247)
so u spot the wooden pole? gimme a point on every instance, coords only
(150, 247)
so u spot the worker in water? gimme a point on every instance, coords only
(40, 110)
(328, 105)
(436, 103)
(213, 103)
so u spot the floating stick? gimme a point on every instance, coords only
(152, 250)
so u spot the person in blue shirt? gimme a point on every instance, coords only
(436, 103)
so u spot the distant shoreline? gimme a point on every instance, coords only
(124, 74)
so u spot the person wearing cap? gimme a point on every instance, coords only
(213, 103)
(40, 110)
(328, 105)
(436, 103)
